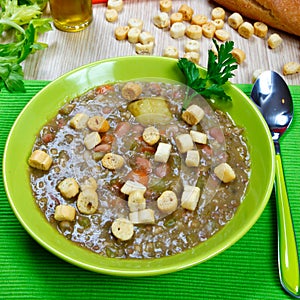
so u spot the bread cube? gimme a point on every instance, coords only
(165, 5)
(40, 160)
(192, 158)
(134, 217)
(135, 23)
(115, 4)
(64, 213)
(92, 140)
(167, 202)
(246, 30)
(193, 114)
(112, 161)
(122, 229)
(184, 142)
(121, 32)
(131, 90)
(133, 35)
(219, 23)
(176, 17)
(161, 20)
(192, 46)
(111, 15)
(260, 29)
(131, 186)
(145, 216)
(87, 202)
(194, 32)
(224, 172)
(274, 41)
(98, 123)
(146, 37)
(79, 121)
(222, 35)
(69, 188)
(151, 135)
(136, 201)
(186, 11)
(198, 137)
(192, 56)
(209, 29)
(163, 152)
(144, 48)
(256, 74)
(177, 30)
(235, 20)
(239, 55)
(171, 51)
(218, 13)
(291, 68)
(190, 197)
(199, 20)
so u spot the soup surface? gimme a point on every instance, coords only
(157, 105)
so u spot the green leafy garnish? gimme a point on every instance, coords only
(22, 23)
(219, 69)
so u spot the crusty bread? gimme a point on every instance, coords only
(280, 14)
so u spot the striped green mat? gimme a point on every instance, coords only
(247, 270)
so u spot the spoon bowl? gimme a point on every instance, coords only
(273, 98)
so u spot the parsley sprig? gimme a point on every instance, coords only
(23, 22)
(220, 68)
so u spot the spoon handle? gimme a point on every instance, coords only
(287, 248)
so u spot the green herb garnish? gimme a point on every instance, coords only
(219, 69)
(22, 23)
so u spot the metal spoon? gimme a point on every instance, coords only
(273, 98)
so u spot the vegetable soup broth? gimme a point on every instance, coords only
(171, 233)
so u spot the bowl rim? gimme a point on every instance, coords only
(155, 268)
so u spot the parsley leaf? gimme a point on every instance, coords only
(219, 70)
(25, 23)
(11, 77)
(19, 14)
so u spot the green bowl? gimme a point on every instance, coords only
(45, 106)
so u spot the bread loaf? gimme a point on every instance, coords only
(280, 14)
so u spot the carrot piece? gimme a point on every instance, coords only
(103, 89)
(107, 138)
(139, 176)
(148, 149)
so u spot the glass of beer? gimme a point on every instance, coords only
(71, 15)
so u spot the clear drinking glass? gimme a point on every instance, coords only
(71, 15)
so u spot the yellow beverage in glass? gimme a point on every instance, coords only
(71, 15)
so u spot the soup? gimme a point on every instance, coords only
(127, 173)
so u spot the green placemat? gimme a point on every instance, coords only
(247, 270)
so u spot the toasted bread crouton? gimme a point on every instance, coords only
(167, 202)
(69, 187)
(131, 186)
(40, 160)
(87, 202)
(190, 197)
(64, 213)
(145, 216)
(193, 114)
(112, 161)
(224, 172)
(122, 229)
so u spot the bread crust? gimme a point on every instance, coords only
(280, 14)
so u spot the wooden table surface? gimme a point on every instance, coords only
(67, 51)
